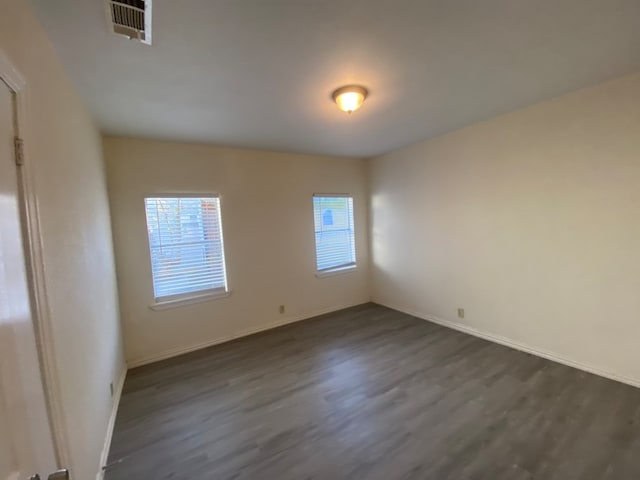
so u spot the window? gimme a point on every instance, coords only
(335, 239)
(185, 240)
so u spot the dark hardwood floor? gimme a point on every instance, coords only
(371, 393)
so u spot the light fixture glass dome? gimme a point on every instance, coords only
(349, 98)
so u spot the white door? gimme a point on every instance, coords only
(26, 445)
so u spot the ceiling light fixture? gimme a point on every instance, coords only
(349, 98)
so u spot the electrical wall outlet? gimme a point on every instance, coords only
(281, 308)
(461, 313)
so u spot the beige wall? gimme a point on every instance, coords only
(64, 148)
(267, 217)
(530, 221)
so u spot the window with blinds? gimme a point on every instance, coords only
(185, 241)
(335, 237)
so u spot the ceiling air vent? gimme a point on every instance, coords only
(131, 18)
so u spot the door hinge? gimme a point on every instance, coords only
(19, 150)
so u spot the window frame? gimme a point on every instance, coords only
(340, 269)
(198, 296)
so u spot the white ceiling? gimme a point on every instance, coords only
(259, 73)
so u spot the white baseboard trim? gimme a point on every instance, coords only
(209, 343)
(507, 342)
(117, 393)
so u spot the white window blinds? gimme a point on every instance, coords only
(185, 240)
(335, 238)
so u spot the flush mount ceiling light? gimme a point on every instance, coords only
(349, 98)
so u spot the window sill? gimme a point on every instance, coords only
(336, 271)
(181, 302)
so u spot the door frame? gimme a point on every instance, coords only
(35, 270)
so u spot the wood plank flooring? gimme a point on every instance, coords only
(371, 393)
